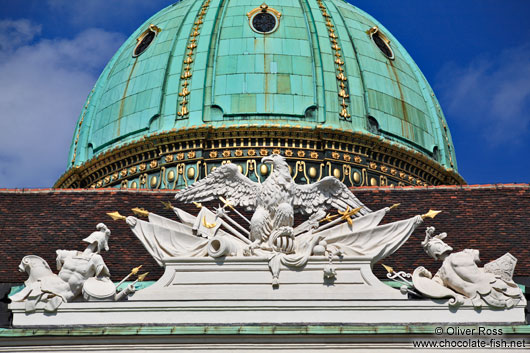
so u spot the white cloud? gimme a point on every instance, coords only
(43, 88)
(490, 95)
(14, 33)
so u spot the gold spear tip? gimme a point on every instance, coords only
(167, 205)
(394, 206)
(116, 216)
(388, 268)
(136, 269)
(430, 214)
(142, 277)
(197, 204)
(140, 212)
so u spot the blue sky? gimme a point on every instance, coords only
(475, 54)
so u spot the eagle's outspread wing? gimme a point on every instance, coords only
(224, 181)
(327, 193)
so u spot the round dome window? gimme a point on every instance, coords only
(145, 40)
(264, 19)
(381, 41)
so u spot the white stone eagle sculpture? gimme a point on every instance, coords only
(275, 200)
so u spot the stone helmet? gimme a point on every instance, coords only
(101, 237)
(434, 246)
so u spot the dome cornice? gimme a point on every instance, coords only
(164, 159)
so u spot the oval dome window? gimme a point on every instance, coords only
(145, 40)
(264, 19)
(381, 41)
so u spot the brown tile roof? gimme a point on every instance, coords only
(494, 219)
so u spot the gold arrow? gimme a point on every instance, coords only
(116, 216)
(135, 270)
(197, 204)
(142, 277)
(394, 206)
(430, 214)
(388, 268)
(140, 212)
(167, 205)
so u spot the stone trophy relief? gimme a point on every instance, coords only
(204, 250)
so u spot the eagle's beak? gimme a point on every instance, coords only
(267, 159)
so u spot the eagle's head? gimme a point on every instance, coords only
(279, 164)
(276, 160)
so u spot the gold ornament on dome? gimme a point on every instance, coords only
(264, 170)
(142, 167)
(313, 172)
(99, 183)
(169, 158)
(123, 173)
(191, 173)
(276, 151)
(289, 153)
(132, 170)
(213, 154)
(373, 165)
(180, 168)
(314, 155)
(107, 180)
(226, 153)
(153, 164)
(154, 181)
(251, 152)
(357, 159)
(347, 157)
(393, 171)
(238, 153)
(191, 154)
(402, 175)
(171, 175)
(335, 155)
(336, 173)
(115, 176)
(384, 169)
(356, 177)
(263, 152)
(180, 156)
(301, 154)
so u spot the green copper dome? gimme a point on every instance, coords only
(199, 71)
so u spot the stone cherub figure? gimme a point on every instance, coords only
(80, 272)
(459, 277)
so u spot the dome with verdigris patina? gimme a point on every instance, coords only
(204, 83)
